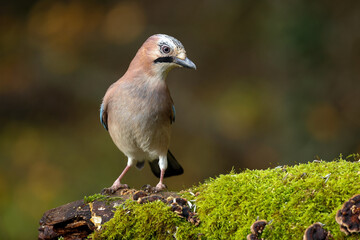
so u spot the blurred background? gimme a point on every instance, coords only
(277, 83)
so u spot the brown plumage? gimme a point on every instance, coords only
(138, 110)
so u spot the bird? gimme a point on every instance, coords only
(138, 111)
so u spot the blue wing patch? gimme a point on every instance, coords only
(103, 116)
(173, 114)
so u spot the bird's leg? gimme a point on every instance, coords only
(161, 186)
(117, 185)
(163, 165)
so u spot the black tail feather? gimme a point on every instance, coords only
(173, 169)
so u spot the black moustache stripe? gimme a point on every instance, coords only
(164, 60)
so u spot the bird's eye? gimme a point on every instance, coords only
(165, 49)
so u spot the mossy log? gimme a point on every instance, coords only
(290, 198)
(76, 220)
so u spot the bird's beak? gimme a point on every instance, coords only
(187, 63)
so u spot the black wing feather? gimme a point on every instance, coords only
(173, 169)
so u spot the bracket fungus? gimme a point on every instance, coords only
(258, 227)
(151, 198)
(256, 230)
(317, 232)
(252, 236)
(349, 216)
(139, 194)
(181, 208)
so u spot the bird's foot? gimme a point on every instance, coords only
(160, 187)
(114, 188)
(149, 189)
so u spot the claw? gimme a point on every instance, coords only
(160, 187)
(111, 190)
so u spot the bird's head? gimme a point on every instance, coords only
(160, 53)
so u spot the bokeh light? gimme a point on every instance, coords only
(124, 22)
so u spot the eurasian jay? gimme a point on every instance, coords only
(138, 110)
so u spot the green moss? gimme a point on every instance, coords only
(292, 197)
(100, 197)
(146, 221)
